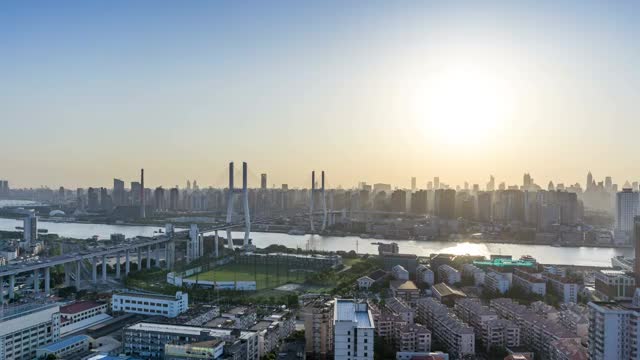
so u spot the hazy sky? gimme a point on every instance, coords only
(368, 90)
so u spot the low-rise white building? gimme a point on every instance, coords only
(400, 273)
(150, 304)
(25, 328)
(365, 282)
(425, 275)
(81, 315)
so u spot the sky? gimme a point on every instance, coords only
(375, 91)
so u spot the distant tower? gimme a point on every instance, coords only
(263, 181)
(589, 181)
(142, 203)
(413, 183)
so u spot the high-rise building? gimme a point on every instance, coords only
(136, 192)
(318, 324)
(118, 192)
(413, 183)
(419, 202)
(614, 331)
(399, 201)
(491, 185)
(30, 226)
(353, 330)
(589, 183)
(445, 203)
(93, 199)
(436, 183)
(106, 203)
(159, 199)
(484, 206)
(263, 181)
(174, 197)
(627, 203)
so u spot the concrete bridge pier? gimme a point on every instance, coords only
(127, 263)
(36, 281)
(12, 285)
(104, 268)
(94, 270)
(78, 269)
(47, 281)
(118, 265)
(148, 257)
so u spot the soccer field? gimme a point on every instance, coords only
(266, 277)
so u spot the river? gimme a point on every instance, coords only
(587, 256)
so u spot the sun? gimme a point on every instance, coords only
(464, 104)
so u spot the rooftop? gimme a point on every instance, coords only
(148, 296)
(403, 285)
(446, 290)
(57, 346)
(504, 262)
(349, 310)
(79, 306)
(186, 330)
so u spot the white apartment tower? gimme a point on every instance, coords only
(627, 202)
(353, 330)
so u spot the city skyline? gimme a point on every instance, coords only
(377, 91)
(259, 180)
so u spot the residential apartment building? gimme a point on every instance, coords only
(400, 273)
(473, 272)
(353, 328)
(150, 304)
(318, 324)
(25, 328)
(401, 308)
(497, 282)
(530, 283)
(425, 275)
(535, 331)
(566, 288)
(614, 331)
(449, 275)
(457, 337)
(500, 334)
(386, 325)
(413, 337)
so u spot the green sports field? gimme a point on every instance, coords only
(266, 277)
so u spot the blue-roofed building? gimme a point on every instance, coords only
(353, 330)
(73, 345)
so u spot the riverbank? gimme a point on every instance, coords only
(587, 256)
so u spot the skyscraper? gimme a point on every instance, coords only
(491, 185)
(263, 181)
(118, 192)
(413, 184)
(436, 183)
(30, 225)
(627, 202)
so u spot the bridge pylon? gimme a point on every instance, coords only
(322, 198)
(245, 201)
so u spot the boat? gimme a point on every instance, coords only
(296, 232)
(621, 262)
